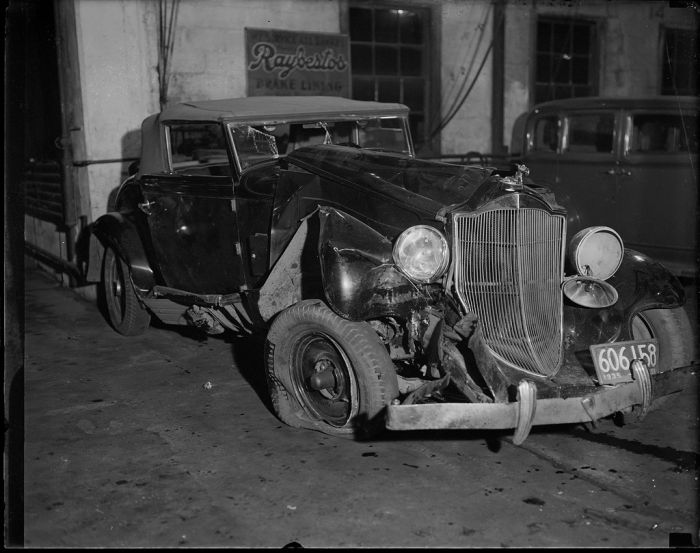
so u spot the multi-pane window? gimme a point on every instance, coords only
(566, 64)
(389, 50)
(680, 64)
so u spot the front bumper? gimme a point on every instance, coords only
(528, 411)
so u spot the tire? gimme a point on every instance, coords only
(328, 374)
(124, 311)
(671, 328)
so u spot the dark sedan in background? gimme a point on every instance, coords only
(630, 163)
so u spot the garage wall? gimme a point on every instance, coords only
(467, 31)
(118, 86)
(208, 59)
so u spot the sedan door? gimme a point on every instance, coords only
(658, 186)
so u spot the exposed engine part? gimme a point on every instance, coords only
(202, 318)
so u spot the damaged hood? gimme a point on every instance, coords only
(430, 185)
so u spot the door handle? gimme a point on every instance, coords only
(147, 207)
(611, 172)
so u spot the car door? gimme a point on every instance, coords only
(588, 169)
(658, 185)
(191, 215)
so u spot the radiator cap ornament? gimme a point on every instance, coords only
(515, 183)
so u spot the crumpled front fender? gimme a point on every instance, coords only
(360, 280)
(352, 264)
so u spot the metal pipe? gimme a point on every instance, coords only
(54, 261)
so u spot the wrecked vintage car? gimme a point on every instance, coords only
(394, 292)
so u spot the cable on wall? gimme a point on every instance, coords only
(167, 21)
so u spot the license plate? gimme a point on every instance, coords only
(613, 362)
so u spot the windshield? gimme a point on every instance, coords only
(256, 143)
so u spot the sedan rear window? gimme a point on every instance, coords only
(663, 133)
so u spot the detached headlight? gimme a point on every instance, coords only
(596, 252)
(421, 252)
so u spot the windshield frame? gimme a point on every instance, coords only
(322, 122)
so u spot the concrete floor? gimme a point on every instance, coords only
(166, 440)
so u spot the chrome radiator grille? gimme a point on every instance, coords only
(508, 270)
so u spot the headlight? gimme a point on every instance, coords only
(596, 252)
(421, 252)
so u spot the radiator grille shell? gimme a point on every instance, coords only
(508, 270)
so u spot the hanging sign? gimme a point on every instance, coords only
(291, 63)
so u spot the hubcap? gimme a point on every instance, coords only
(115, 287)
(323, 379)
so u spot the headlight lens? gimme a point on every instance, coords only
(596, 252)
(421, 252)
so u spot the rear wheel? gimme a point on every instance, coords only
(125, 313)
(327, 373)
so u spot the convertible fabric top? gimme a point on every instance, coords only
(253, 109)
(263, 108)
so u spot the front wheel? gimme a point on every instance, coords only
(124, 311)
(327, 373)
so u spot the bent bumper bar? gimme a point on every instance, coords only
(528, 411)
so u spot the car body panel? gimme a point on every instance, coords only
(597, 156)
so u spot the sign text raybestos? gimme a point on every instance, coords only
(296, 63)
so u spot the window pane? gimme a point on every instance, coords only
(562, 91)
(386, 27)
(581, 42)
(544, 42)
(388, 90)
(680, 65)
(562, 70)
(361, 58)
(363, 88)
(591, 133)
(562, 39)
(580, 91)
(193, 144)
(386, 60)
(663, 133)
(413, 94)
(411, 62)
(411, 28)
(579, 70)
(543, 68)
(546, 138)
(360, 24)
(417, 124)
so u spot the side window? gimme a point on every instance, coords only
(198, 149)
(590, 133)
(545, 137)
(657, 133)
